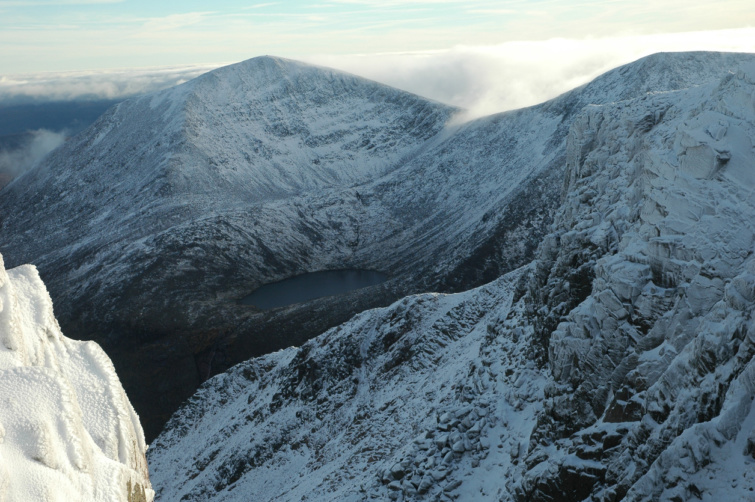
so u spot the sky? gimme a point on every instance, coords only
(486, 56)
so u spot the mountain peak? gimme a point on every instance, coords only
(671, 71)
(265, 68)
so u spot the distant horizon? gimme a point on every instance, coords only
(482, 55)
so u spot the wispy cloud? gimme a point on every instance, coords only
(492, 11)
(260, 5)
(35, 148)
(45, 38)
(383, 3)
(175, 21)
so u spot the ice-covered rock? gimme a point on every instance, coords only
(67, 430)
(651, 347)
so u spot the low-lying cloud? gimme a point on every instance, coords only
(91, 85)
(489, 79)
(36, 146)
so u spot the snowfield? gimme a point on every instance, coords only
(67, 430)
(618, 365)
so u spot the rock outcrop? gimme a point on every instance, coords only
(643, 300)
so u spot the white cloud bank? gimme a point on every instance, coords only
(490, 79)
(87, 85)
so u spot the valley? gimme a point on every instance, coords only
(618, 365)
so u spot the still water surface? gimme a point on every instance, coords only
(310, 286)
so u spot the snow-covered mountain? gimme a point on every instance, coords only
(174, 205)
(148, 226)
(67, 429)
(618, 365)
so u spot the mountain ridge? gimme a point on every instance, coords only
(107, 221)
(618, 365)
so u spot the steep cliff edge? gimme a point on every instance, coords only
(67, 430)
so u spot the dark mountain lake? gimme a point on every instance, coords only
(307, 287)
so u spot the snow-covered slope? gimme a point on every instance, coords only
(149, 225)
(67, 430)
(174, 205)
(400, 399)
(619, 365)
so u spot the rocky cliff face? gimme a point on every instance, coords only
(403, 401)
(67, 430)
(643, 302)
(617, 366)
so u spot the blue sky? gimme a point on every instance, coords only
(64, 35)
